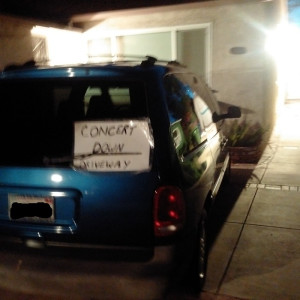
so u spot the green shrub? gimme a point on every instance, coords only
(245, 134)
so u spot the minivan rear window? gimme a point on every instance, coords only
(37, 116)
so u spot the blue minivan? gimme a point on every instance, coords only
(123, 155)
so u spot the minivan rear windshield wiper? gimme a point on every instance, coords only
(57, 160)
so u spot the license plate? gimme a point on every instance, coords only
(30, 208)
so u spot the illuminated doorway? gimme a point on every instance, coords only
(284, 44)
(293, 79)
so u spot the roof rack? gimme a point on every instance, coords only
(12, 67)
(149, 61)
(146, 61)
(176, 63)
(116, 58)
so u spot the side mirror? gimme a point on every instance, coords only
(232, 113)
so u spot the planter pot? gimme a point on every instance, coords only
(245, 155)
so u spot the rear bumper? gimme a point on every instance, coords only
(163, 254)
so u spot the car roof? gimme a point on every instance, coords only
(118, 67)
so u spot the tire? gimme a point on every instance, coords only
(200, 259)
(190, 272)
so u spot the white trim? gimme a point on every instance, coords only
(173, 45)
(208, 42)
(160, 29)
(98, 31)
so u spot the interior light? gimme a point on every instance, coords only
(283, 43)
(63, 46)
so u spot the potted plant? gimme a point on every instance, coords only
(245, 141)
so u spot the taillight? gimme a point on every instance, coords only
(169, 210)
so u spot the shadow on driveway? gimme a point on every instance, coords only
(226, 199)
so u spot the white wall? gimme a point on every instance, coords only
(15, 41)
(248, 79)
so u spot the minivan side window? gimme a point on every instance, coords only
(188, 115)
(204, 113)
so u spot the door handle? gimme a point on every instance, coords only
(224, 143)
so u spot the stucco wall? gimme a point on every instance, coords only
(248, 79)
(15, 41)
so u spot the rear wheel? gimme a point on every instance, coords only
(191, 256)
(200, 259)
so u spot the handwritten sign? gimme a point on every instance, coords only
(110, 146)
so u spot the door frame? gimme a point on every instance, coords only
(115, 35)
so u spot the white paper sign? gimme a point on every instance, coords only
(112, 146)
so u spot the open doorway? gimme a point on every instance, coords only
(192, 50)
(292, 63)
(284, 44)
(293, 88)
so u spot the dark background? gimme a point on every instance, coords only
(61, 11)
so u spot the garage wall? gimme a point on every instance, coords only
(15, 41)
(241, 70)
